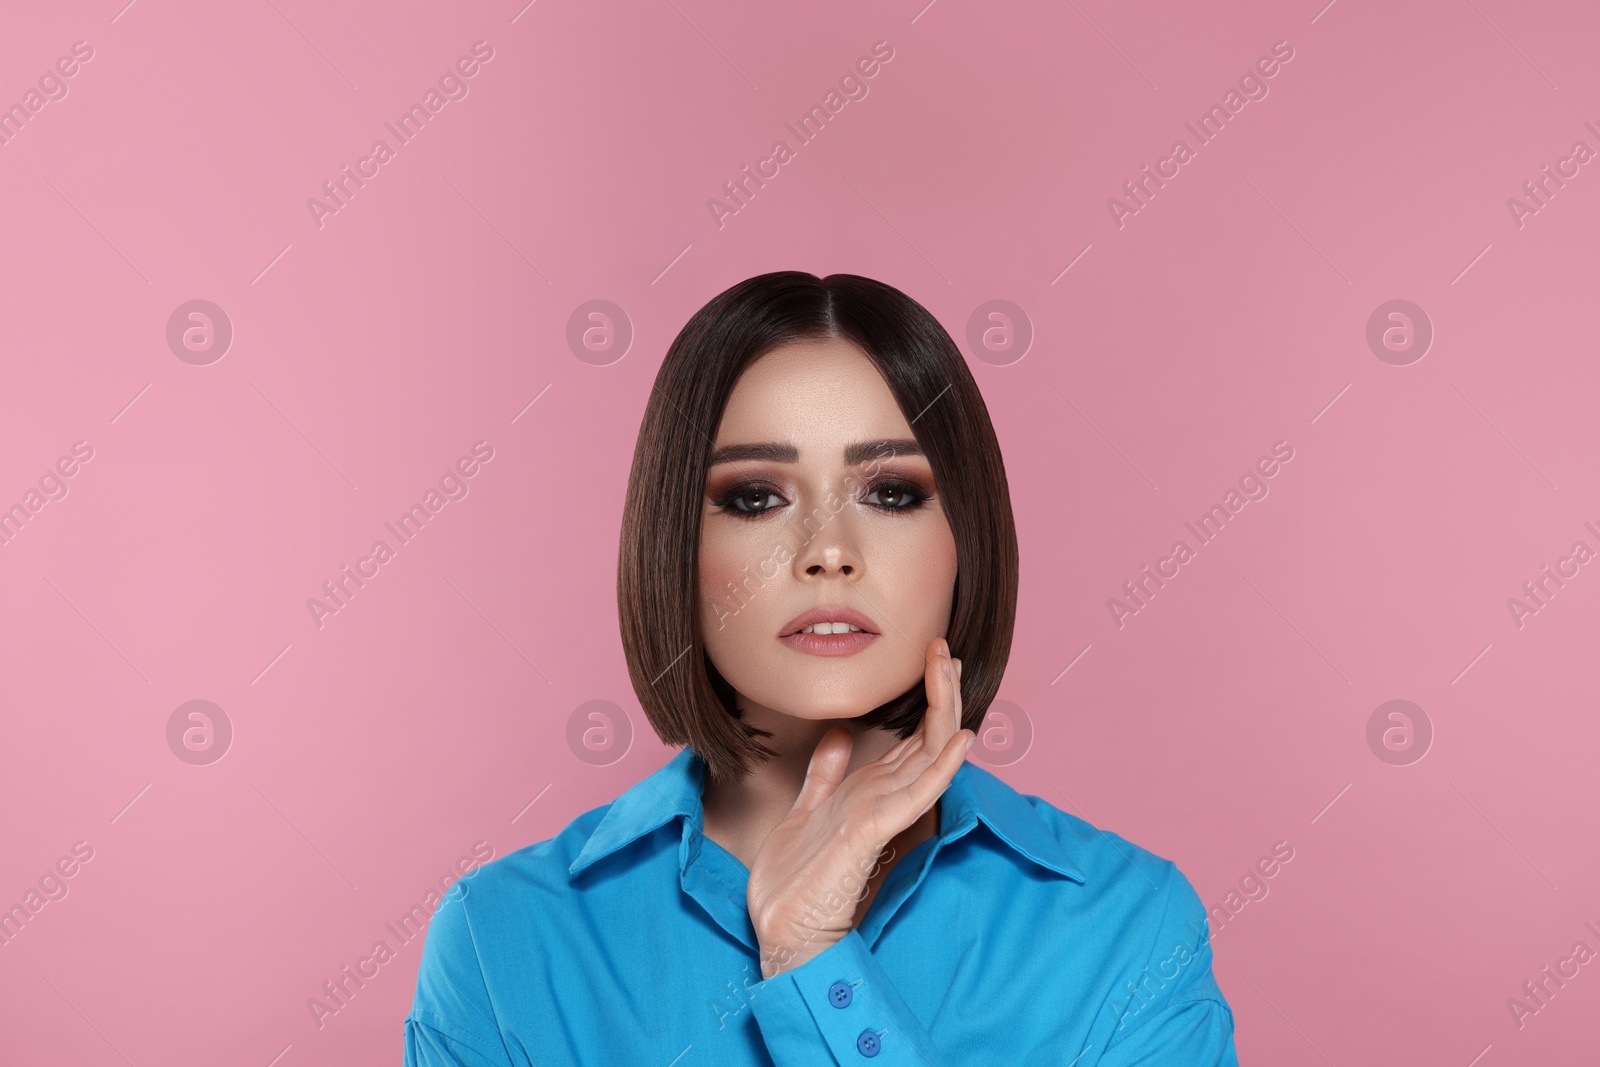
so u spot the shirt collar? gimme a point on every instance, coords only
(974, 795)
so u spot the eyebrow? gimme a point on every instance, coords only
(854, 455)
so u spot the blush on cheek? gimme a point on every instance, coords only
(725, 591)
(937, 577)
(737, 572)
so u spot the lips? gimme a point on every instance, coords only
(842, 644)
(840, 614)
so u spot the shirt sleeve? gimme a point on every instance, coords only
(840, 1003)
(451, 1023)
(1176, 1015)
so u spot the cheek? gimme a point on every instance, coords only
(943, 563)
(920, 570)
(932, 555)
(722, 568)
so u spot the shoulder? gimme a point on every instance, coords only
(1104, 854)
(540, 869)
(472, 936)
(1149, 921)
(505, 899)
(1144, 890)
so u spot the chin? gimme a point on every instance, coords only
(812, 713)
(853, 703)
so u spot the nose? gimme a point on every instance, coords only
(833, 565)
(833, 550)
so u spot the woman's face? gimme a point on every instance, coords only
(809, 526)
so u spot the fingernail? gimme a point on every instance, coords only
(958, 668)
(944, 665)
(944, 648)
(970, 742)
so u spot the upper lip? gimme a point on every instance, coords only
(816, 615)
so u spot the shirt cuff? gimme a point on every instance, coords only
(840, 1000)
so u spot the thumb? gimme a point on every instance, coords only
(829, 762)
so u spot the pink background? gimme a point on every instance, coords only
(432, 712)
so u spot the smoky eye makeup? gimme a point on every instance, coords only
(753, 496)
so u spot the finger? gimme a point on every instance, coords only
(936, 777)
(957, 690)
(941, 695)
(913, 744)
(892, 757)
(918, 783)
(828, 764)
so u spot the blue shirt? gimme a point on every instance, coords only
(1019, 934)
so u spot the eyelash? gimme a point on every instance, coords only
(914, 494)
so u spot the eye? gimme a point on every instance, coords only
(734, 501)
(748, 500)
(905, 496)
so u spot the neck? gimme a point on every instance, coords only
(738, 815)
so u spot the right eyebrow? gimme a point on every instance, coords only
(767, 450)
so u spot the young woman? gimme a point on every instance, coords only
(817, 539)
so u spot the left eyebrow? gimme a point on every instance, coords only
(854, 455)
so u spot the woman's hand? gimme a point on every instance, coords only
(811, 871)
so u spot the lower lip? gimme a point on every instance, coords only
(815, 644)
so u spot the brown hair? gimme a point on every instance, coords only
(685, 698)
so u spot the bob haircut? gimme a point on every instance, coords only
(683, 695)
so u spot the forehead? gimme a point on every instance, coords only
(811, 393)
